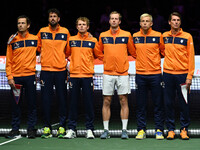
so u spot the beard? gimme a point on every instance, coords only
(53, 24)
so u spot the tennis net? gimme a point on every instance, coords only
(115, 122)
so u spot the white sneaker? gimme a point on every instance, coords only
(89, 134)
(70, 134)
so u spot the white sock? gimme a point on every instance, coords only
(124, 124)
(105, 125)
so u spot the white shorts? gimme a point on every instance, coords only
(121, 83)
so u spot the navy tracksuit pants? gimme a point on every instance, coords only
(76, 84)
(48, 79)
(144, 84)
(172, 87)
(28, 84)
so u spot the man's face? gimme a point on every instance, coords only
(82, 26)
(146, 23)
(175, 22)
(22, 25)
(53, 19)
(114, 20)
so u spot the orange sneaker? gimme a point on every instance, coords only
(184, 135)
(171, 135)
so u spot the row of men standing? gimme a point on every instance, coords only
(147, 46)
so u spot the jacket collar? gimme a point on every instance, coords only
(118, 30)
(20, 35)
(148, 32)
(58, 27)
(84, 36)
(180, 32)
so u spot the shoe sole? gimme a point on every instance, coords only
(65, 137)
(30, 137)
(46, 137)
(170, 138)
(105, 137)
(70, 137)
(13, 137)
(124, 138)
(90, 137)
(185, 138)
(141, 138)
(159, 138)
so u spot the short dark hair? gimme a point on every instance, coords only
(174, 14)
(28, 21)
(54, 10)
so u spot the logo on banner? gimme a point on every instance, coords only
(17, 92)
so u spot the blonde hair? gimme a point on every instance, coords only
(84, 19)
(146, 15)
(115, 12)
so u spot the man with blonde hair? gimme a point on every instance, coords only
(149, 47)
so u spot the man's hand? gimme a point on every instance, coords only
(90, 35)
(38, 59)
(11, 82)
(188, 83)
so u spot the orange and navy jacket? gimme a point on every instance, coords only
(52, 47)
(83, 50)
(21, 56)
(149, 49)
(179, 53)
(116, 49)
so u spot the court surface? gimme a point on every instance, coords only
(98, 144)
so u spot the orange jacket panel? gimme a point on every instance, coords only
(179, 53)
(83, 50)
(21, 56)
(149, 48)
(116, 49)
(52, 47)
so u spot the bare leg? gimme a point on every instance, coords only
(124, 106)
(106, 108)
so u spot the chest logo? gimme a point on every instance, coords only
(105, 40)
(73, 43)
(166, 40)
(16, 45)
(137, 40)
(44, 35)
(181, 41)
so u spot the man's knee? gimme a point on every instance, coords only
(123, 100)
(107, 101)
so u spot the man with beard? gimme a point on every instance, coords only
(52, 43)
